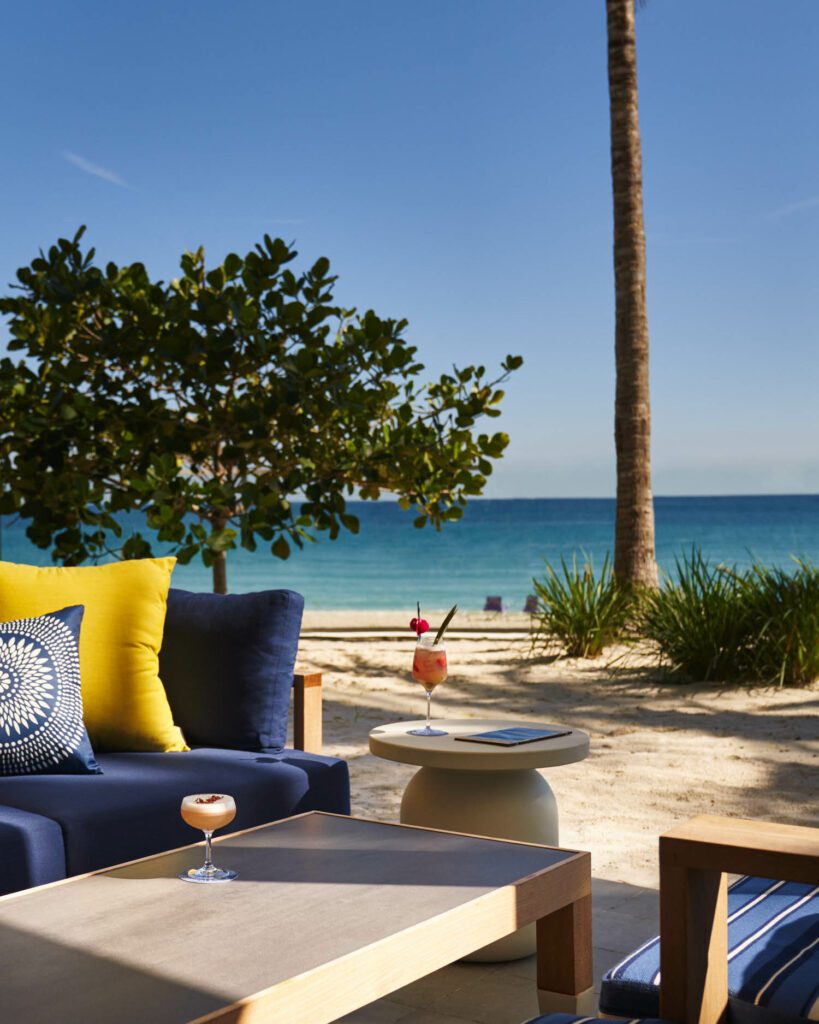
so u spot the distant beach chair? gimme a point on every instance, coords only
(531, 605)
(493, 604)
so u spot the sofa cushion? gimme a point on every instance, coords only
(227, 665)
(773, 954)
(31, 850)
(573, 1018)
(738, 1013)
(132, 809)
(124, 703)
(41, 722)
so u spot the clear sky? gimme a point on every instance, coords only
(451, 158)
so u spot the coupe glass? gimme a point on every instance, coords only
(208, 811)
(429, 669)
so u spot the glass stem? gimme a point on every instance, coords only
(208, 865)
(429, 708)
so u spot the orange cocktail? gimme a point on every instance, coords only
(430, 670)
(429, 664)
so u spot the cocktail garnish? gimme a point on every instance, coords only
(212, 799)
(419, 625)
(444, 624)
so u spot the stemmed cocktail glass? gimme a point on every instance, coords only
(208, 811)
(430, 670)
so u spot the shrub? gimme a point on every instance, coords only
(708, 622)
(784, 615)
(700, 622)
(578, 611)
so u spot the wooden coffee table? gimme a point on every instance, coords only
(328, 914)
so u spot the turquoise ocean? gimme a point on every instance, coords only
(495, 549)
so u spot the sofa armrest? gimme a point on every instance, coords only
(694, 859)
(307, 712)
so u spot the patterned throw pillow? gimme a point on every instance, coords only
(41, 724)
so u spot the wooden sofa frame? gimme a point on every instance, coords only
(694, 859)
(307, 712)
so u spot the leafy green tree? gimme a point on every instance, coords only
(234, 406)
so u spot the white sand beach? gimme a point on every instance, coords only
(661, 752)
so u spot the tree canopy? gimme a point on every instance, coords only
(235, 405)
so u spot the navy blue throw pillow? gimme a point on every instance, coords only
(41, 724)
(227, 666)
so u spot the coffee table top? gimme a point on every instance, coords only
(393, 743)
(328, 913)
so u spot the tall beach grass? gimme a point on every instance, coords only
(706, 623)
(578, 612)
(698, 622)
(783, 613)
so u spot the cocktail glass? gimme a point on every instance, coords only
(208, 811)
(429, 669)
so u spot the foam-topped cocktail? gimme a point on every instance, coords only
(429, 666)
(209, 812)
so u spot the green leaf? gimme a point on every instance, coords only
(280, 548)
(443, 627)
(350, 522)
(222, 541)
(216, 278)
(233, 264)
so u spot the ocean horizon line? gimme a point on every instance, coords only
(496, 549)
(612, 497)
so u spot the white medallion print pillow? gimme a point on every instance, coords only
(41, 724)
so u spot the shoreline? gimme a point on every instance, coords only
(397, 621)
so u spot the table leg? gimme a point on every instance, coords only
(515, 804)
(564, 960)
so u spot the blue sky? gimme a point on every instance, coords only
(451, 159)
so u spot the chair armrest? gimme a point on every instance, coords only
(746, 847)
(307, 712)
(694, 858)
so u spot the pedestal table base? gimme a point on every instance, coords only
(508, 804)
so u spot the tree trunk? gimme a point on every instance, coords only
(220, 573)
(634, 560)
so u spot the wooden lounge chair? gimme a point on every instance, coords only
(745, 954)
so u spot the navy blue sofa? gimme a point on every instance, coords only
(234, 655)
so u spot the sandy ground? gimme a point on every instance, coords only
(660, 752)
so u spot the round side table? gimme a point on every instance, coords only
(482, 789)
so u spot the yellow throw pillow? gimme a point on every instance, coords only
(123, 698)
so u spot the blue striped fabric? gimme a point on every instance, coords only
(570, 1018)
(773, 954)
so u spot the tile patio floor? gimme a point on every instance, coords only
(624, 916)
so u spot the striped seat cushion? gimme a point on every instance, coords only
(773, 954)
(571, 1018)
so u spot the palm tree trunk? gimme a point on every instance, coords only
(634, 560)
